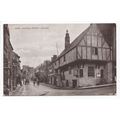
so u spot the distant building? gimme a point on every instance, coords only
(87, 61)
(27, 72)
(42, 71)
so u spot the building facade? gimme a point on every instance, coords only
(8, 49)
(27, 72)
(109, 33)
(11, 63)
(52, 74)
(16, 69)
(42, 71)
(87, 61)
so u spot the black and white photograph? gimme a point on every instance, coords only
(59, 59)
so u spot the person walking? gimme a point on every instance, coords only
(38, 82)
(34, 81)
(19, 80)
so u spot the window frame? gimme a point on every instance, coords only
(70, 70)
(81, 75)
(95, 51)
(91, 74)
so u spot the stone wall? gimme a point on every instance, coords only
(90, 81)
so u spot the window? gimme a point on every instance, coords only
(81, 72)
(91, 72)
(63, 76)
(75, 72)
(95, 50)
(64, 58)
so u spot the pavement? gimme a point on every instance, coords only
(46, 90)
(78, 88)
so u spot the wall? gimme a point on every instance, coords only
(94, 39)
(109, 72)
(85, 80)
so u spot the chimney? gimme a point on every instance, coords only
(67, 39)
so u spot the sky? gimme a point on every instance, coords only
(35, 43)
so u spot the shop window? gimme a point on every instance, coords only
(91, 72)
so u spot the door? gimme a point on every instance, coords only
(74, 83)
(67, 83)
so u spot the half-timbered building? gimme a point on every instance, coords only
(87, 61)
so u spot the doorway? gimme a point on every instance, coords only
(67, 83)
(74, 83)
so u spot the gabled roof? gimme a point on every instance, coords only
(74, 43)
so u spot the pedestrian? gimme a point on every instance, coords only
(34, 81)
(19, 80)
(27, 81)
(38, 82)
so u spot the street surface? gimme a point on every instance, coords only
(42, 90)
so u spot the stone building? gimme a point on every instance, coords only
(11, 63)
(87, 61)
(52, 76)
(109, 33)
(16, 68)
(8, 49)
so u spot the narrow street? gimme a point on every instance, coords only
(41, 90)
(85, 65)
(31, 90)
